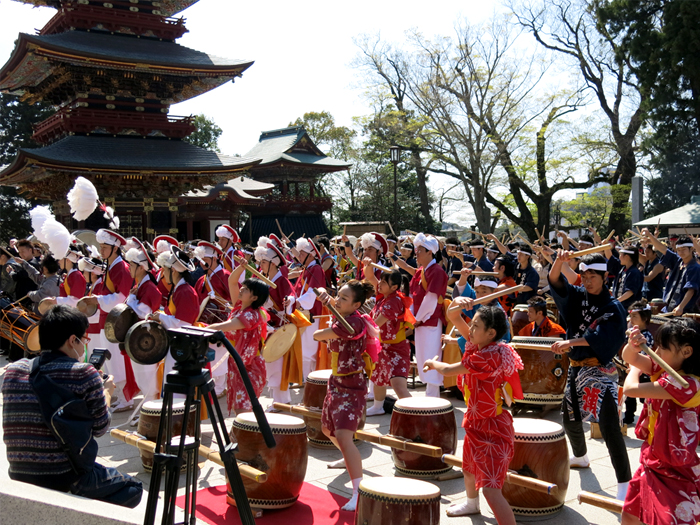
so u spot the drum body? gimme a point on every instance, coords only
(428, 420)
(397, 501)
(654, 325)
(541, 452)
(285, 465)
(315, 389)
(149, 421)
(212, 310)
(16, 323)
(519, 319)
(552, 307)
(544, 377)
(656, 306)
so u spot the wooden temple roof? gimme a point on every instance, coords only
(28, 66)
(163, 7)
(293, 146)
(125, 155)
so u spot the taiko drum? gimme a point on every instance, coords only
(149, 421)
(519, 319)
(397, 501)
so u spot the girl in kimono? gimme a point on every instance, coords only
(666, 487)
(248, 322)
(347, 386)
(491, 367)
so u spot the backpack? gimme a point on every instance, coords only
(68, 419)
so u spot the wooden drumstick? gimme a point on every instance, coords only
(609, 236)
(595, 249)
(597, 500)
(252, 270)
(506, 291)
(371, 437)
(436, 358)
(381, 267)
(138, 441)
(514, 479)
(337, 315)
(663, 364)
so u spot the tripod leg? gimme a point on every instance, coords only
(226, 449)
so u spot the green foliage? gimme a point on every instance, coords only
(16, 121)
(587, 209)
(206, 135)
(336, 141)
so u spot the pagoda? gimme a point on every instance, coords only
(293, 163)
(112, 70)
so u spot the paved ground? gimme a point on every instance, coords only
(377, 461)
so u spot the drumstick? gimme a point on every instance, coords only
(138, 441)
(371, 437)
(663, 364)
(597, 500)
(524, 239)
(530, 346)
(609, 236)
(476, 233)
(337, 315)
(506, 291)
(260, 276)
(381, 267)
(595, 249)
(280, 229)
(514, 479)
(411, 232)
(436, 358)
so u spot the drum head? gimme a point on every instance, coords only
(429, 405)
(203, 306)
(146, 342)
(320, 376)
(279, 343)
(119, 320)
(86, 308)
(399, 489)
(529, 430)
(279, 423)
(45, 305)
(31, 340)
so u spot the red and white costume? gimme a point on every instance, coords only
(489, 435)
(93, 331)
(312, 277)
(395, 357)
(248, 342)
(215, 284)
(162, 244)
(428, 288)
(72, 288)
(347, 387)
(225, 231)
(666, 487)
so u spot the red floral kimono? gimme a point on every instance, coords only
(395, 357)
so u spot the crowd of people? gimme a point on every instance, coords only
(404, 298)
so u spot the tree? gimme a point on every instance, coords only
(16, 121)
(662, 40)
(320, 126)
(569, 28)
(206, 135)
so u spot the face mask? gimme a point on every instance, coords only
(81, 355)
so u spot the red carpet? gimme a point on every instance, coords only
(315, 506)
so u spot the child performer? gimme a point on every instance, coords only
(640, 316)
(393, 316)
(347, 386)
(488, 364)
(666, 488)
(248, 321)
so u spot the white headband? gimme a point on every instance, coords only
(647, 307)
(523, 251)
(585, 242)
(490, 284)
(626, 251)
(600, 267)
(685, 245)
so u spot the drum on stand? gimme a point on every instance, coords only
(149, 421)
(655, 324)
(544, 375)
(213, 310)
(429, 420)
(315, 389)
(19, 326)
(397, 501)
(541, 452)
(519, 319)
(285, 465)
(656, 306)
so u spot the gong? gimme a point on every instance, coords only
(146, 342)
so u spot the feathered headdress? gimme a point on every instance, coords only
(109, 215)
(57, 237)
(39, 215)
(83, 199)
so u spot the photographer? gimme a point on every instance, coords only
(34, 453)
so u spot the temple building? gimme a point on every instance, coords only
(113, 70)
(293, 164)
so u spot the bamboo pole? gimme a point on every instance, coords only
(595, 249)
(663, 364)
(371, 437)
(138, 441)
(337, 315)
(609, 236)
(242, 262)
(514, 479)
(381, 267)
(597, 500)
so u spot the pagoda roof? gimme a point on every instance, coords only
(121, 155)
(293, 146)
(26, 67)
(166, 7)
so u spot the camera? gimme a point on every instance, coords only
(98, 357)
(189, 346)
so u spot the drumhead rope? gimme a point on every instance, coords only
(423, 406)
(319, 377)
(279, 423)
(537, 431)
(399, 491)
(155, 408)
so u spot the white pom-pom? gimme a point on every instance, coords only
(82, 199)
(57, 237)
(114, 223)
(82, 264)
(200, 252)
(367, 240)
(163, 246)
(223, 232)
(303, 245)
(165, 259)
(264, 241)
(94, 252)
(260, 253)
(39, 215)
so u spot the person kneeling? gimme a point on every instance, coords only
(25, 431)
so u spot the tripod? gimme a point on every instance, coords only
(191, 380)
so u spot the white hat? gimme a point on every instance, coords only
(105, 236)
(426, 241)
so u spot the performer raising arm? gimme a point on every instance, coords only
(665, 488)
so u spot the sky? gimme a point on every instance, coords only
(302, 52)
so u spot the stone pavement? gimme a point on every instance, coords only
(22, 503)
